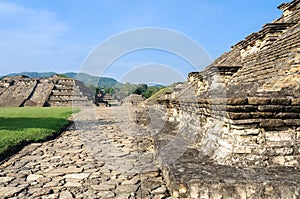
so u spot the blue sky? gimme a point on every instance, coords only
(46, 35)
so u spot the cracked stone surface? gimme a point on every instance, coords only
(104, 155)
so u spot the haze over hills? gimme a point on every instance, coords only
(85, 78)
(32, 74)
(93, 80)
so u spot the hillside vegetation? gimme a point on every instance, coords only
(106, 84)
(85, 78)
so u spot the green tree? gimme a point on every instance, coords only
(141, 89)
(150, 91)
(128, 88)
(109, 90)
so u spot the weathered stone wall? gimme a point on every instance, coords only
(41, 93)
(252, 95)
(53, 91)
(291, 12)
(66, 92)
(255, 134)
(240, 112)
(17, 91)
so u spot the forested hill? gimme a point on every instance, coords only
(85, 78)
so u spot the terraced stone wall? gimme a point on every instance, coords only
(16, 92)
(54, 91)
(244, 108)
(67, 92)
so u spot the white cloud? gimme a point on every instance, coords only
(10, 8)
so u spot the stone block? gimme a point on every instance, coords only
(246, 131)
(280, 101)
(298, 134)
(245, 121)
(278, 150)
(77, 175)
(285, 160)
(283, 150)
(271, 108)
(252, 131)
(33, 177)
(278, 136)
(272, 123)
(241, 108)
(295, 109)
(73, 184)
(247, 140)
(238, 131)
(216, 101)
(258, 101)
(241, 101)
(6, 192)
(295, 101)
(292, 122)
(262, 114)
(238, 116)
(230, 101)
(245, 126)
(286, 115)
(218, 107)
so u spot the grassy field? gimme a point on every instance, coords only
(30, 124)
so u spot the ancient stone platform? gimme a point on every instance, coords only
(96, 158)
(190, 174)
(53, 91)
(233, 129)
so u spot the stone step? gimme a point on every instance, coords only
(192, 179)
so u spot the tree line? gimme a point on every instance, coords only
(124, 90)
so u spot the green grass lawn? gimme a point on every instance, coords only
(21, 124)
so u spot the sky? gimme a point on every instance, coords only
(66, 35)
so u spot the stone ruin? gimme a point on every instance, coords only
(233, 129)
(133, 100)
(22, 91)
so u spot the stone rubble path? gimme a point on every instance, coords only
(106, 155)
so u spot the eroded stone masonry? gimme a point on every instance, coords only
(54, 91)
(237, 122)
(231, 131)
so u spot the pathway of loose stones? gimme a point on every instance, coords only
(101, 157)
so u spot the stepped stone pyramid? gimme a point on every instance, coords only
(54, 91)
(238, 132)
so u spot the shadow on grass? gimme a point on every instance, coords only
(17, 132)
(20, 123)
